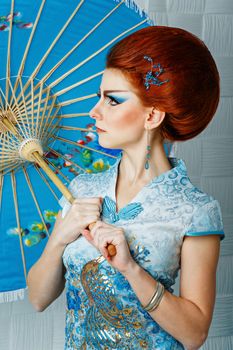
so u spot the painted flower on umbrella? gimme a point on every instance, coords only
(100, 165)
(50, 215)
(36, 231)
(86, 157)
(5, 22)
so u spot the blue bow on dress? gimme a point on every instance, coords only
(130, 211)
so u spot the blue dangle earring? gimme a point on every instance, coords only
(148, 150)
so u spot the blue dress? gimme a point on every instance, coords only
(103, 312)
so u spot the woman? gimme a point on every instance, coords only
(160, 84)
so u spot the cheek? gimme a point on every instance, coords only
(126, 120)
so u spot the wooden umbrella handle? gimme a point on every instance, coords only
(111, 248)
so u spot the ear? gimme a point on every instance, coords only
(154, 119)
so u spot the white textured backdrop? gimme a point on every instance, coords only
(210, 163)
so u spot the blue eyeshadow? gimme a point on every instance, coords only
(118, 98)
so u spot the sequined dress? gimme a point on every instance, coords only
(102, 310)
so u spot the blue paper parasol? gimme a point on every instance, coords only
(52, 58)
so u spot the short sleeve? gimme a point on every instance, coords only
(75, 187)
(206, 220)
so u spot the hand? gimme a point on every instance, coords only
(82, 212)
(103, 234)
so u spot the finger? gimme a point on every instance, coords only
(87, 235)
(90, 220)
(88, 200)
(104, 244)
(87, 208)
(95, 226)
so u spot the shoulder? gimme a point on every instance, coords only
(202, 211)
(206, 215)
(91, 179)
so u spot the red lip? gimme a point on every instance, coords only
(100, 130)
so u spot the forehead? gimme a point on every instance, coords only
(114, 79)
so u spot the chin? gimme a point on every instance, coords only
(109, 145)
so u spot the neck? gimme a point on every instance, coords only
(132, 166)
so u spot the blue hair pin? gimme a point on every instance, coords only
(151, 77)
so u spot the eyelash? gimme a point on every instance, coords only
(110, 98)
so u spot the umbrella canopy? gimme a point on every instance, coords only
(52, 58)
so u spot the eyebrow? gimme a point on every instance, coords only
(110, 91)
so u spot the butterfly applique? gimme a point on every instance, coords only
(130, 211)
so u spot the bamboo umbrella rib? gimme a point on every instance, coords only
(7, 150)
(13, 181)
(8, 66)
(50, 129)
(24, 102)
(11, 147)
(78, 99)
(1, 102)
(11, 144)
(35, 200)
(14, 168)
(46, 77)
(6, 159)
(28, 103)
(66, 159)
(43, 112)
(9, 158)
(58, 170)
(73, 115)
(9, 164)
(7, 128)
(29, 110)
(63, 91)
(8, 169)
(17, 122)
(81, 41)
(49, 120)
(37, 69)
(29, 121)
(22, 65)
(7, 153)
(32, 103)
(82, 146)
(3, 137)
(47, 124)
(38, 110)
(3, 146)
(36, 95)
(1, 188)
(63, 127)
(11, 167)
(57, 81)
(60, 116)
(13, 95)
(46, 181)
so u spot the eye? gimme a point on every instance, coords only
(110, 100)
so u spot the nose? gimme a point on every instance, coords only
(95, 112)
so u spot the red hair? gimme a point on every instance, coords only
(190, 97)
